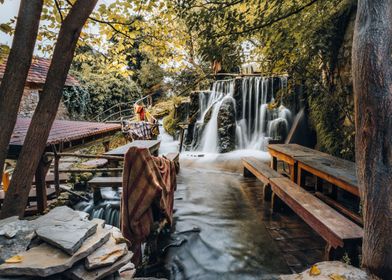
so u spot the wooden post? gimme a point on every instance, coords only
(40, 182)
(106, 145)
(274, 163)
(301, 177)
(57, 175)
(293, 172)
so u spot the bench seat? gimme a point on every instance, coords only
(336, 229)
(261, 170)
(341, 234)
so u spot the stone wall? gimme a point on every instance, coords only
(29, 103)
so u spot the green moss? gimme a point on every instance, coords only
(170, 123)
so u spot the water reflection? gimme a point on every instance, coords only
(222, 234)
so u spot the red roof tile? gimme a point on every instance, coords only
(63, 131)
(38, 71)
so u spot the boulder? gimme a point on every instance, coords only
(15, 237)
(329, 270)
(65, 228)
(107, 255)
(46, 260)
(79, 272)
(227, 125)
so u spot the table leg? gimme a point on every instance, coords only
(301, 177)
(274, 163)
(293, 172)
(40, 179)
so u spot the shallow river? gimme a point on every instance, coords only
(220, 228)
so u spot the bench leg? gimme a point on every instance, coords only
(276, 203)
(267, 192)
(274, 163)
(248, 174)
(350, 249)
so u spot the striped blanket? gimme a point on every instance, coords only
(148, 188)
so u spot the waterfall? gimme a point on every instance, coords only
(258, 118)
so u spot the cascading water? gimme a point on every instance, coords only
(257, 120)
(210, 105)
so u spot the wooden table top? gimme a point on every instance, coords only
(337, 168)
(340, 169)
(294, 150)
(152, 145)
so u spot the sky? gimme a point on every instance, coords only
(9, 9)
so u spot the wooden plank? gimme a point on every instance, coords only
(339, 172)
(32, 194)
(102, 182)
(293, 150)
(260, 169)
(152, 145)
(51, 180)
(346, 212)
(327, 222)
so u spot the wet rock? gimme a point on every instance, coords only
(328, 271)
(107, 255)
(79, 272)
(46, 260)
(192, 118)
(65, 228)
(227, 125)
(15, 237)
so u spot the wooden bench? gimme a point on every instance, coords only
(341, 234)
(116, 182)
(256, 168)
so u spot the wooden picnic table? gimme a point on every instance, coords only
(152, 145)
(339, 172)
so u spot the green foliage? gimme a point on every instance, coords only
(105, 89)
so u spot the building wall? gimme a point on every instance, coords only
(29, 103)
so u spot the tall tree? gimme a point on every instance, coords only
(45, 113)
(372, 75)
(18, 65)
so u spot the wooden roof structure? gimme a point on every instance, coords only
(37, 73)
(64, 135)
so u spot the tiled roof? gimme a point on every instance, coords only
(63, 131)
(38, 71)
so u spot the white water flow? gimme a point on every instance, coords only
(256, 121)
(220, 90)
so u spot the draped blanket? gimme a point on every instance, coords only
(140, 130)
(148, 192)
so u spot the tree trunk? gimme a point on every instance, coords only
(18, 65)
(45, 113)
(372, 75)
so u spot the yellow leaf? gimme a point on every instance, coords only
(14, 259)
(337, 277)
(314, 271)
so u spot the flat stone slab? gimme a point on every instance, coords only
(15, 237)
(108, 254)
(65, 228)
(328, 271)
(79, 272)
(46, 260)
